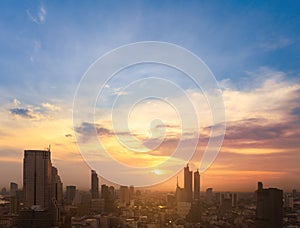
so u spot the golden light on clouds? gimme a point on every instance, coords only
(261, 126)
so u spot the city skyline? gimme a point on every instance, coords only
(190, 180)
(42, 203)
(251, 48)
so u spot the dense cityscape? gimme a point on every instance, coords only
(158, 114)
(44, 202)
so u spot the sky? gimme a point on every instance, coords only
(251, 47)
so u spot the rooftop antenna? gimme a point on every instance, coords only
(49, 147)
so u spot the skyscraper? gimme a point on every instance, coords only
(196, 185)
(188, 184)
(13, 188)
(269, 207)
(57, 186)
(94, 185)
(37, 178)
(104, 191)
(70, 193)
(131, 191)
(57, 195)
(124, 195)
(179, 194)
(209, 194)
(13, 198)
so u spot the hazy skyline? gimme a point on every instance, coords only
(252, 48)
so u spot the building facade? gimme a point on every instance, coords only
(94, 185)
(188, 184)
(37, 178)
(269, 207)
(196, 185)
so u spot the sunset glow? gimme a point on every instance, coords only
(45, 55)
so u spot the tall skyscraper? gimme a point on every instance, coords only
(209, 194)
(295, 194)
(37, 170)
(57, 186)
(188, 184)
(94, 185)
(131, 191)
(196, 185)
(104, 191)
(179, 194)
(124, 195)
(227, 200)
(107, 194)
(13, 188)
(70, 193)
(57, 195)
(269, 207)
(13, 198)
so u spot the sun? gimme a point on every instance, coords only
(157, 171)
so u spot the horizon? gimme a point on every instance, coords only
(156, 188)
(251, 48)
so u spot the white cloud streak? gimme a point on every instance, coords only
(40, 17)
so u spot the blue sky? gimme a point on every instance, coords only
(252, 47)
(232, 38)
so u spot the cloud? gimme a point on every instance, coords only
(36, 48)
(239, 170)
(50, 107)
(263, 118)
(32, 112)
(16, 102)
(257, 136)
(255, 129)
(166, 126)
(40, 17)
(260, 121)
(277, 44)
(268, 96)
(86, 130)
(119, 92)
(23, 112)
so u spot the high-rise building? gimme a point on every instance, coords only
(179, 193)
(42, 191)
(196, 185)
(57, 196)
(3, 191)
(295, 194)
(269, 207)
(124, 195)
(209, 195)
(13, 188)
(171, 200)
(288, 202)
(94, 185)
(57, 187)
(37, 170)
(188, 184)
(131, 191)
(108, 195)
(70, 193)
(112, 192)
(227, 200)
(209, 192)
(104, 191)
(13, 198)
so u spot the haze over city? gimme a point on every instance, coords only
(252, 48)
